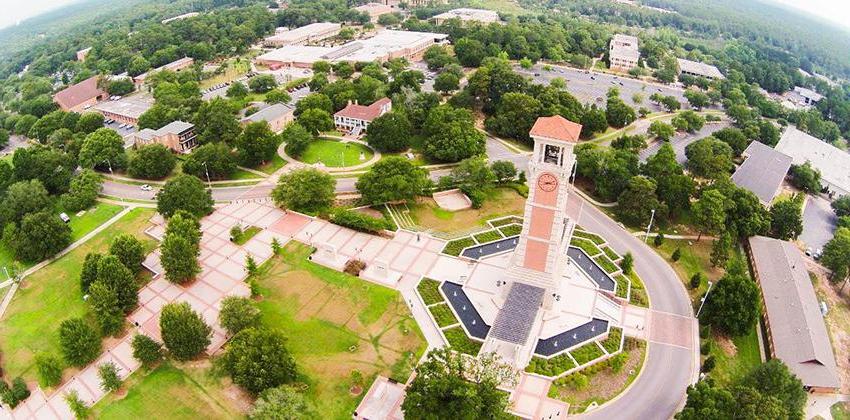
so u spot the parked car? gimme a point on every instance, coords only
(64, 217)
(146, 187)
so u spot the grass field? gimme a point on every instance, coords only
(269, 167)
(51, 295)
(500, 202)
(734, 362)
(695, 256)
(336, 324)
(91, 219)
(169, 392)
(335, 154)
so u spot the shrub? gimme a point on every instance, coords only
(109, 379)
(677, 253)
(704, 331)
(184, 332)
(618, 362)
(705, 348)
(708, 364)
(627, 263)
(358, 221)
(76, 404)
(146, 349)
(696, 279)
(237, 314)
(354, 267)
(49, 369)
(14, 395)
(79, 343)
(659, 239)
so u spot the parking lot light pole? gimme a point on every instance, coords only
(704, 298)
(108, 163)
(648, 227)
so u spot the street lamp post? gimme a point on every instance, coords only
(207, 171)
(649, 227)
(109, 164)
(704, 298)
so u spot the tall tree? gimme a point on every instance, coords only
(256, 145)
(786, 218)
(306, 190)
(103, 149)
(184, 192)
(450, 135)
(709, 212)
(257, 359)
(216, 122)
(184, 332)
(390, 132)
(392, 179)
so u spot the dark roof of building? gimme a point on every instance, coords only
(763, 171)
(556, 127)
(513, 323)
(797, 329)
(74, 95)
(269, 113)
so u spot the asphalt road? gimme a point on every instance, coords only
(659, 391)
(818, 223)
(592, 87)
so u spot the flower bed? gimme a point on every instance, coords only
(429, 290)
(505, 221)
(551, 367)
(610, 253)
(622, 286)
(606, 264)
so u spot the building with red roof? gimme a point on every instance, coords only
(355, 118)
(79, 97)
(556, 127)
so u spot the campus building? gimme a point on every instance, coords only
(386, 45)
(313, 32)
(179, 136)
(278, 116)
(468, 15)
(81, 96)
(796, 333)
(355, 118)
(374, 10)
(126, 110)
(697, 69)
(762, 172)
(832, 162)
(623, 53)
(175, 66)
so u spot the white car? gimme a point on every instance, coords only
(146, 187)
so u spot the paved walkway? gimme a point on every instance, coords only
(820, 404)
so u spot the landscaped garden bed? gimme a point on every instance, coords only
(638, 292)
(551, 367)
(587, 246)
(622, 286)
(610, 253)
(586, 353)
(606, 264)
(443, 315)
(511, 230)
(455, 247)
(459, 341)
(611, 344)
(246, 235)
(488, 236)
(596, 239)
(429, 290)
(506, 221)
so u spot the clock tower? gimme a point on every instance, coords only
(541, 254)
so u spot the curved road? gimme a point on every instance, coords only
(659, 391)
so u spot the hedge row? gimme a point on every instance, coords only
(359, 221)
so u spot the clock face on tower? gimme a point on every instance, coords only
(547, 182)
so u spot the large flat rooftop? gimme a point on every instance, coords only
(762, 172)
(129, 106)
(833, 163)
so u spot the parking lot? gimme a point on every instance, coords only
(591, 87)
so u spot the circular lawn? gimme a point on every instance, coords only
(335, 154)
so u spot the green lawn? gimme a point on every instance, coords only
(168, 392)
(241, 174)
(91, 219)
(247, 234)
(840, 411)
(269, 167)
(336, 324)
(51, 295)
(731, 367)
(500, 202)
(694, 256)
(335, 154)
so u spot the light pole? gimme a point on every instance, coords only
(207, 171)
(648, 227)
(704, 298)
(109, 164)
